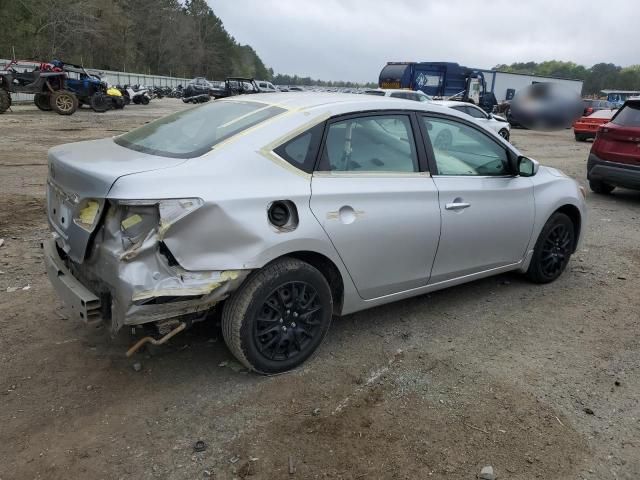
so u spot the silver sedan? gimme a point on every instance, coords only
(280, 212)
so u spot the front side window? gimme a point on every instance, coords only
(380, 143)
(191, 133)
(459, 149)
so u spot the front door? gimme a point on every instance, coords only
(487, 211)
(380, 212)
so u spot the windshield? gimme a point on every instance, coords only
(193, 132)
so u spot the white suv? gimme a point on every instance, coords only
(265, 87)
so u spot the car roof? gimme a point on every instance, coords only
(337, 103)
(453, 103)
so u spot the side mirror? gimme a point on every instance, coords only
(527, 167)
(489, 115)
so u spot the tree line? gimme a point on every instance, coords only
(160, 37)
(597, 77)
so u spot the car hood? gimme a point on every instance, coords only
(89, 169)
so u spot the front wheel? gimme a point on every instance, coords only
(100, 102)
(144, 100)
(278, 317)
(553, 249)
(63, 102)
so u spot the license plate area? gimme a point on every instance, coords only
(59, 210)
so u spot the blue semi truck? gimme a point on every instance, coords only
(448, 80)
(439, 79)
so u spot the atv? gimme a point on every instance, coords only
(46, 82)
(88, 87)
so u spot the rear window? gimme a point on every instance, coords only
(193, 132)
(628, 116)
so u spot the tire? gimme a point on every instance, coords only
(598, 186)
(504, 133)
(553, 249)
(100, 102)
(5, 100)
(267, 299)
(136, 100)
(63, 102)
(144, 100)
(42, 101)
(580, 137)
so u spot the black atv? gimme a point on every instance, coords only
(45, 81)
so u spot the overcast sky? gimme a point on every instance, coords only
(353, 39)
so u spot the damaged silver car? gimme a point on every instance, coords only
(282, 212)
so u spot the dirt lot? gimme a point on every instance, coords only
(537, 381)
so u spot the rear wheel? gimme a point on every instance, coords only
(42, 101)
(553, 249)
(63, 102)
(278, 317)
(5, 100)
(598, 186)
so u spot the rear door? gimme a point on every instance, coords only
(378, 208)
(487, 212)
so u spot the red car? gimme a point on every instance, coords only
(614, 160)
(587, 126)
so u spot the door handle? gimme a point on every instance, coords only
(457, 205)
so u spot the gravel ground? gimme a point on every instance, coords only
(537, 381)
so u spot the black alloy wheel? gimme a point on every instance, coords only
(278, 317)
(288, 321)
(553, 249)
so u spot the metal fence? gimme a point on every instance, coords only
(118, 78)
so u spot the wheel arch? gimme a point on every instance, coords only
(329, 271)
(574, 214)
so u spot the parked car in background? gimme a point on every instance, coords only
(296, 89)
(614, 160)
(498, 124)
(591, 106)
(586, 127)
(265, 87)
(335, 214)
(417, 96)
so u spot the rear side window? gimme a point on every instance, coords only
(301, 150)
(191, 133)
(628, 116)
